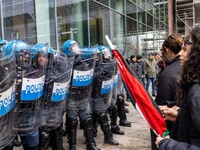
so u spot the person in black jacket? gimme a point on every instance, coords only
(188, 120)
(167, 81)
(167, 88)
(139, 67)
(168, 78)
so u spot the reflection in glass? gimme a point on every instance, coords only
(141, 16)
(99, 23)
(131, 9)
(131, 39)
(118, 5)
(72, 21)
(142, 44)
(19, 20)
(117, 30)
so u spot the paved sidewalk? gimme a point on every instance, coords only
(136, 137)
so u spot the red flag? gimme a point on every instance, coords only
(139, 97)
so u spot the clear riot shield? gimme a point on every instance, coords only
(81, 85)
(103, 85)
(31, 70)
(7, 100)
(115, 83)
(56, 91)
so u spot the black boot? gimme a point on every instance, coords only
(121, 112)
(71, 132)
(108, 137)
(116, 130)
(88, 132)
(31, 148)
(125, 123)
(44, 140)
(9, 147)
(95, 118)
(56, 139)
(113, 118)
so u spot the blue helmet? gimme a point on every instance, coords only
(68, 47)
(5, 53)
(18, 46)
(105, 51)
(3, 42)
(50, 50)
(40, 48)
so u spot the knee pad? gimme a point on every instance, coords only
(87, 120)
(103, 116)
(73, 122)
(115, 109)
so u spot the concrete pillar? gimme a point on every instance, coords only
(170, 17)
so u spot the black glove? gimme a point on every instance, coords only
(77, 62)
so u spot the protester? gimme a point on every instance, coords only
(167, 81)
(139, 66)
(188, 121)
(132, 62)
(171, 113)
(150, 66)
(167, 85)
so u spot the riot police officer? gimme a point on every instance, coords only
(30, 88)
(54, 100)
(79, 94)
(7, 97)
(102, 93)
(121, 105)
(113, 109)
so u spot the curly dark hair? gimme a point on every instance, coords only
(191, 68)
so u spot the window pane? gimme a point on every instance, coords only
(19, 20)
(131, 42)
(142, 44)
(141, 3)
(99, 23)
(141, 16)
(117, 30)
(72, 21)
(150, 20)
(118, 5)
(149, 7)
(131, 10)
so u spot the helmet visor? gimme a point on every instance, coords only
(75, 48)
(106, 53)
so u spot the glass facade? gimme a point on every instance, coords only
(135, 26)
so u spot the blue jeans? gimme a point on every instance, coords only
(152, 83)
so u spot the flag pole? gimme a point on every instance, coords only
(112, 47)
(109, 42)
